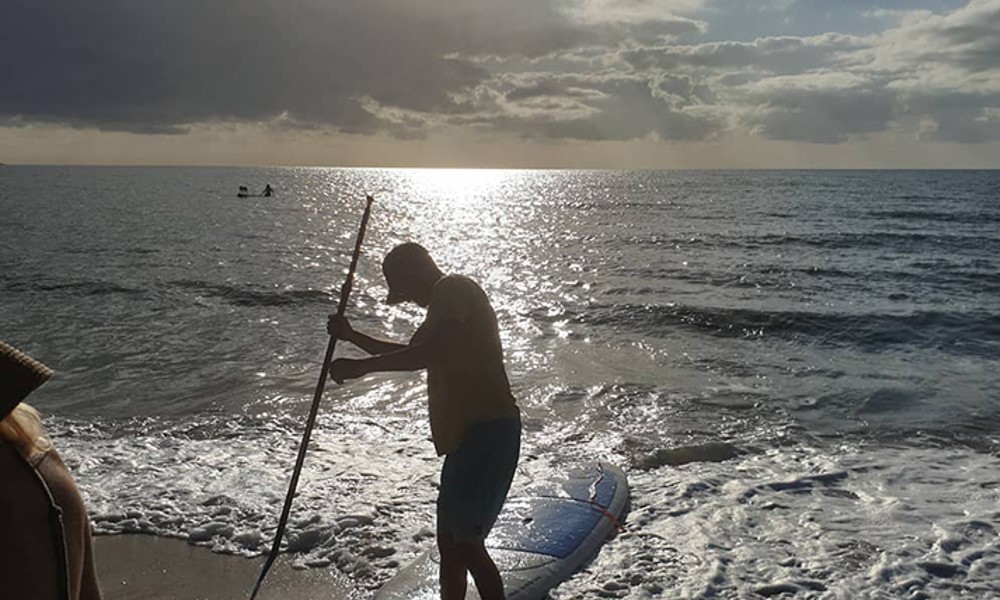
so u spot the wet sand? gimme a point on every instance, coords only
(155, 568)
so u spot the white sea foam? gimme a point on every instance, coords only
(363, 497)
(831, 522)
(844, 523)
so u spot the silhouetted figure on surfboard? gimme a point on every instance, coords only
(475, 421)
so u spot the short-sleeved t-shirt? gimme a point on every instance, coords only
(466, 380)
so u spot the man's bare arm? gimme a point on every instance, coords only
(341, 328)
(372, 345)
(410, 358)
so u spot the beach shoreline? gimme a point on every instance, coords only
(158, 568)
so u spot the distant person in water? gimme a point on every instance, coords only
(243, 192)
(267, 191)
(45, 548)
(475, 422)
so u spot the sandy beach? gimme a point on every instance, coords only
(155, 568)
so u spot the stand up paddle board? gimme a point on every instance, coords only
(540, 538)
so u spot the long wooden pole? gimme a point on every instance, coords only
(345, 293)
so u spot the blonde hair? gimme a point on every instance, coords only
(23, 429)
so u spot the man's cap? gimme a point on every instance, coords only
(19, 376)
(402, 258)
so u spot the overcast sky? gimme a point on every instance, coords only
(521, 83)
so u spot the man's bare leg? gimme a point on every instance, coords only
(458, 559)
(484, 571)
(452, 576)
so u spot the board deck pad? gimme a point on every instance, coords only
(542, 536)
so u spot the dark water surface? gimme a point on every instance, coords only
(835, 335)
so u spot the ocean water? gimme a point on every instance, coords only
(798, 370)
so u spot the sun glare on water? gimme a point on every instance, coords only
(457, 185)
(470, 219)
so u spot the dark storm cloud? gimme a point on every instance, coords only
(974, 42)
(825, 116)
(543, 89)
(945, 70)
(559, 69)
(967, 39)
(938, 72)
(969, 118)
(779, 55)
(154, 66)
(601, 107)
(966, 127)
(653, 31)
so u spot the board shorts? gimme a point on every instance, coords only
(476, 478)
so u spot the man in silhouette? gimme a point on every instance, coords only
(475, 422)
